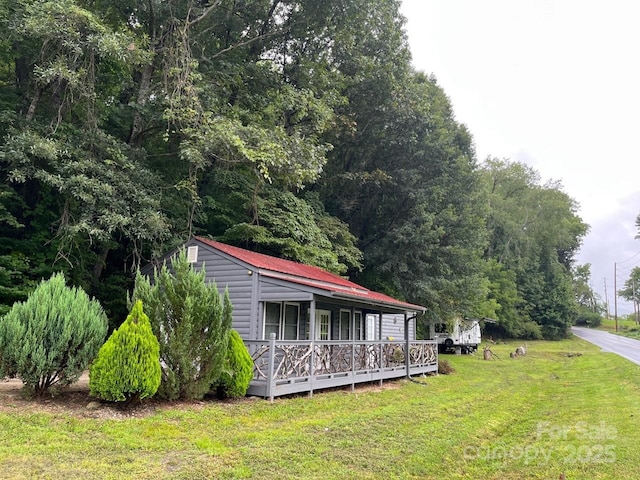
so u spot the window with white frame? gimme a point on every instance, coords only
(291, 321)
(348, 330)
(372, 320)
(359, 326)
(344, 330)
(323, 324)
(282, 319)
(272, 320)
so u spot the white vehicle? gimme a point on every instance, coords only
(461, 334)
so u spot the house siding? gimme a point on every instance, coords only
(393, 326)
(248, 292)
(235, 277)
(274, 292)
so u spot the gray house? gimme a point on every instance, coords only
(308, 329)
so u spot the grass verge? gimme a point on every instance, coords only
(626, 327)
(532, 417)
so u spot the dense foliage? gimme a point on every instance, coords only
(51, 337)
(191, 321)
(238, 370)
(534, 234)
(127, 368)
(631, 289)
(297, 128)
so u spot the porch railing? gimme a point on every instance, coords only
(284, 367)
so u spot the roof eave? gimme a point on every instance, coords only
(407, 307)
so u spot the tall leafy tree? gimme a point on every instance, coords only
(508, 303)
(15, 284)
(631, 290)
(277, 222)
(412, 197)
(585, 295)
(535, 232)
(590, 309)
(80, 190)
(293, 127)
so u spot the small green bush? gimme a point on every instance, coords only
(51, 337)
(529, 330)
(128, 365)
(234, 380)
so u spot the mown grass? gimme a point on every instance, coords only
(609, 324)
(626, 327)
(532, 417)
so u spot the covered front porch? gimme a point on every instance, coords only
(284, 367)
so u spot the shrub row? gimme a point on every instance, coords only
(176, 342)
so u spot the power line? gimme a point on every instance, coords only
(627, 274)
(630, 258)
(615, 294)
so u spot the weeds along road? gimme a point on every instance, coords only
(625, 347)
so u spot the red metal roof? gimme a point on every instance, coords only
(308, 275)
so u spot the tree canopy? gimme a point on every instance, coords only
(295, 128)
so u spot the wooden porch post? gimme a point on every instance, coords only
(272, 361)
(407, 359)
(353, 348)
(312, 337)
(380, 343)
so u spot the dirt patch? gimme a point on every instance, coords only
(75, 400)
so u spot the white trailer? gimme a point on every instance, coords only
(461, 335)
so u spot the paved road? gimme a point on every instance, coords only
(609, 342)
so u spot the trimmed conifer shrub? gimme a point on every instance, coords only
(234, 380)
(191, 321)
(127, 368)
(51, 338)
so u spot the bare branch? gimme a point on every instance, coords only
(240, 44)
(204, 15)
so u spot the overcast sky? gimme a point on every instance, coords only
(554, 84)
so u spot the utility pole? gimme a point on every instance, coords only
(635, 304)
(606, 299)
(615, 294)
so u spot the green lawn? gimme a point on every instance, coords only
(626, 327)
(532, 417)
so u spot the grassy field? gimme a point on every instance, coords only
(532, 417)
(626, 327)
(609, 324)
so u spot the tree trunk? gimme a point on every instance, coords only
(99, 266)
(33, 105)
(137, 127)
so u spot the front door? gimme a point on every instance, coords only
(371, 327)
(372, 360)
(323, 352)
(323, 325)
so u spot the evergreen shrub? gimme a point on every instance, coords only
(234, 380)
(127, 368)
(191, 321)
(51, 338)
